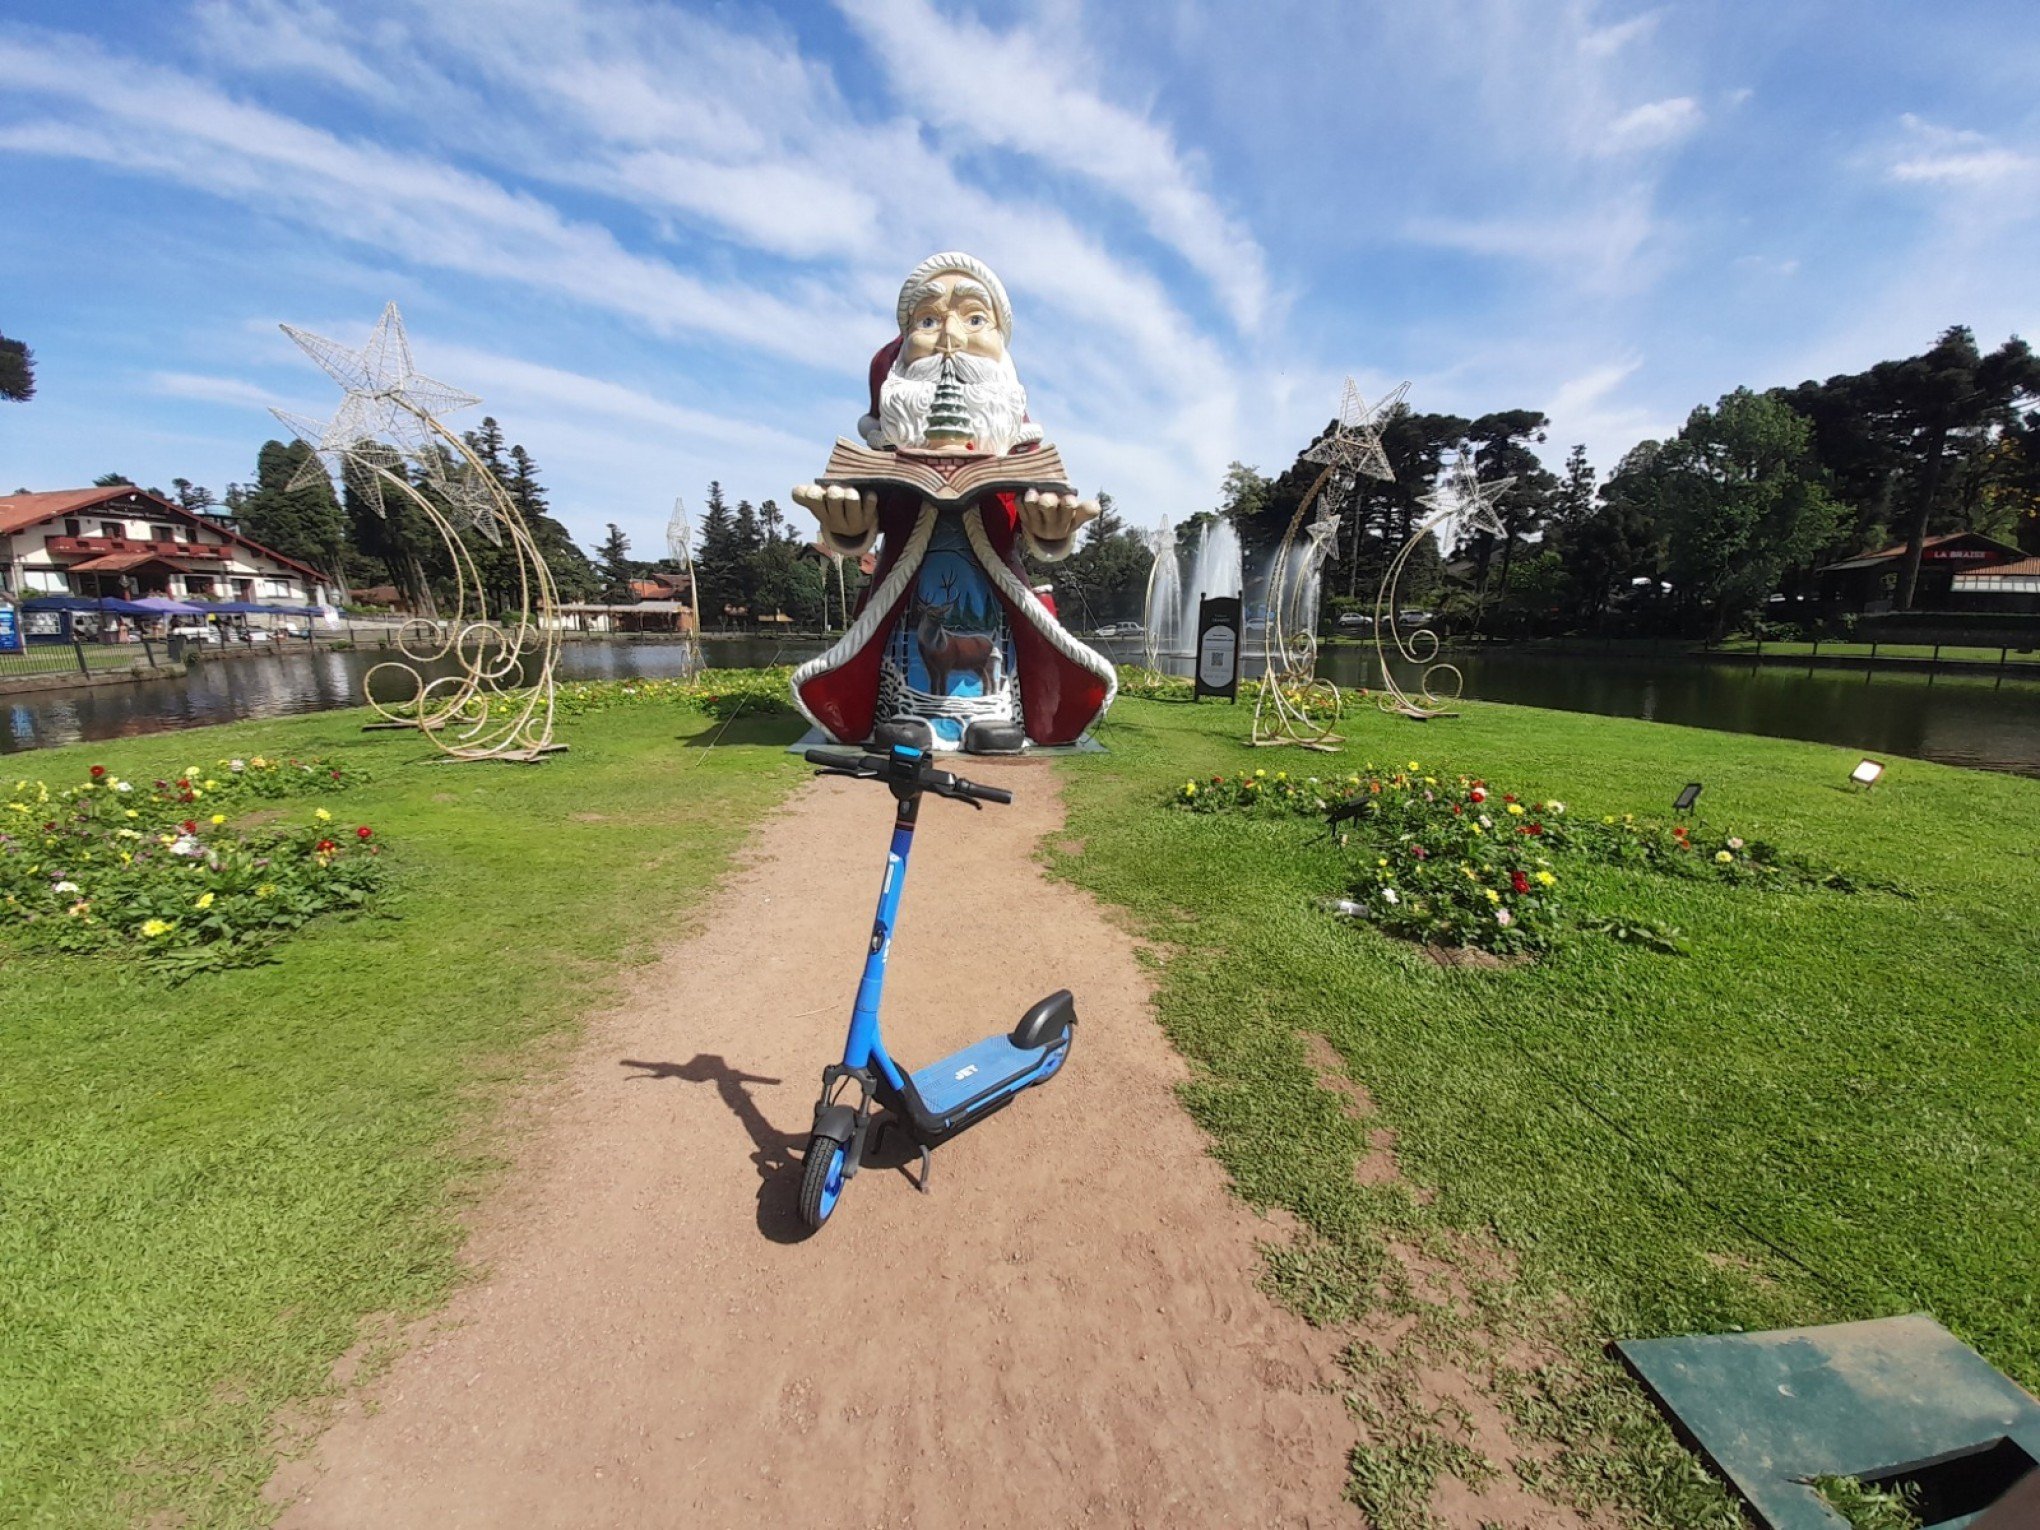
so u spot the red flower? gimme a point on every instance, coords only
(1478, 794)
(1419, 852)
(336, 775)
(1218, 780)
(189, 826)
(1519, 882)
(363, 832)
(98, 771)
(1679, 832)
(1456, 810)
(325, 847)
(183, 785)
(1535, 829)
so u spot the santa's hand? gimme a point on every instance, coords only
(849, 517)
(1051, 520)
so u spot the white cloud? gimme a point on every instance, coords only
(1655, 125)
(1957, 157)
(1603, 42)
(940, 66)
(213, 390)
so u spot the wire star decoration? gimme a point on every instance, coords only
(1354, 449)
(387, 403)
(1462, 495)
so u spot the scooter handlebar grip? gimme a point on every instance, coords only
(833, 759)
(983, 793)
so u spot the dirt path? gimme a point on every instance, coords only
(1066, 1331)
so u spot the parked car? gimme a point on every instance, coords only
(194, 632)
(1355, 619)
(1416, 618)
(1120, 629)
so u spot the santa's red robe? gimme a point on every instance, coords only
(1064, 686)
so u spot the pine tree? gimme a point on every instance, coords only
(948, 420)
(719, 564)
(304, 523)
(573, 576)
(613, 562)
(17, 371)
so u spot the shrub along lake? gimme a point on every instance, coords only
(1958, 719)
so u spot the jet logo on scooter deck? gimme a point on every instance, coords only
(967, 1072)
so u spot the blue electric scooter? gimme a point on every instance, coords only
(931, 1104)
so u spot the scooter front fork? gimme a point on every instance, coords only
(840, 1122)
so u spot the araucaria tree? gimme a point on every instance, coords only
(1742, 500)
(17, 371)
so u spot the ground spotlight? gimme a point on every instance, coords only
(1866, 773)
(1688, 795)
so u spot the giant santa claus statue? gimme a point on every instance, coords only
(952, 648)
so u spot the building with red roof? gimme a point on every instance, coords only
(122, 541)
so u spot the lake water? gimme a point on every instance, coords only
(1956, 720)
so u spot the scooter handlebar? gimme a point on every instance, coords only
(872, 767)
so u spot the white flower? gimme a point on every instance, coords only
(63, 887)
(1486, 822)
(1504, 918)
(1734, 843)
(1557, 809)
(184, 844)
(237, 766)
(123, 786)
(1389, 894)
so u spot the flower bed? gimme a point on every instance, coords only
(1456, 862)
(112, 864)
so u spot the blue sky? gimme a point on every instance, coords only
(662, 242)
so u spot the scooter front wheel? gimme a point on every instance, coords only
(821, 1182)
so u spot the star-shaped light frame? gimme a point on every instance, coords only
(1353, 450)
(1463, 496)
(387, 402)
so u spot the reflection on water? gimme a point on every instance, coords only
(1956, 720)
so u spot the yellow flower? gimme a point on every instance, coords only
(132, 813)
(218, 819)
(265, 889)
(203, 901)
(258, 762)
(211, 784)
(153, 928)
(1546, 879)
(191, 772)
(1189, 788)
(1430, 780)
(1260, 772)
(1383, 861)
(1723, 856)
(1476, 828)
(322, 815)
(1493, 896)
(1415, 766)
(1515, 810)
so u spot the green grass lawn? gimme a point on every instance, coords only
(1830, 1109)
(204, 1189)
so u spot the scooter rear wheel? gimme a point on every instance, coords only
(821, 1182)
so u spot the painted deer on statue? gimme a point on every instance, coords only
(946, 653)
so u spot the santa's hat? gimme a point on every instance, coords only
(968, 265)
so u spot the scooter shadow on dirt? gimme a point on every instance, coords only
(774, 1152)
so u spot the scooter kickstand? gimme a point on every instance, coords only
(927, 1168)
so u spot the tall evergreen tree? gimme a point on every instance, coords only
(305, 523)
(613, 564)
(720, 558)
(573, 576)
(17, 371)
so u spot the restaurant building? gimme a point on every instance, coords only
(123, 542)
(1949, 566)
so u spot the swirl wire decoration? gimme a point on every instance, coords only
(498, 703)
(1296, 706)
(1460, 496)
(680, 551)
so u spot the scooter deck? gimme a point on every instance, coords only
(979, 1072)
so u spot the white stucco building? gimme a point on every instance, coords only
(126, 542)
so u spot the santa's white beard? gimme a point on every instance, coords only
(993, 400)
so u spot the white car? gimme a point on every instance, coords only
(1355, 619)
